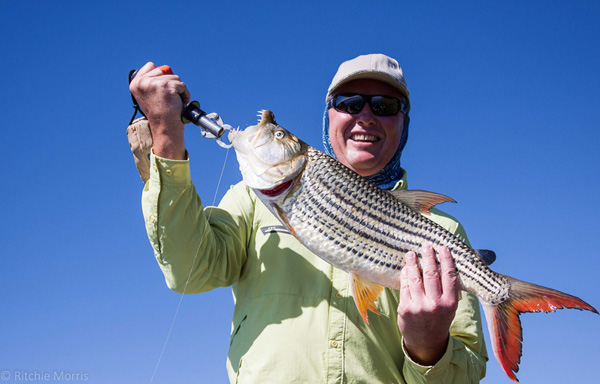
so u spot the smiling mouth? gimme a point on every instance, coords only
(361, 137)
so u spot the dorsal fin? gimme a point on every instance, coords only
(421, 201)
(266, 117)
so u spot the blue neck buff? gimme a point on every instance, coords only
(389, 176)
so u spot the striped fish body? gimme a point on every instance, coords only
(366, 231)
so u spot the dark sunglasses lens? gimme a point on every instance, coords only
(349, 104)
(384, 106)
(380, 105)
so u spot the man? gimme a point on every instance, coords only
(294, 318)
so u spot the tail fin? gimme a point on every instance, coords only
(504, 324)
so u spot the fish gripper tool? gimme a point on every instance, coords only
(211, 124)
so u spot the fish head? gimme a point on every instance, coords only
(268, 154)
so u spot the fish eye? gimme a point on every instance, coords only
(279, 134)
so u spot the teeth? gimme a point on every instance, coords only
(363, 137)
(260, 115)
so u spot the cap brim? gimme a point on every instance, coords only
(379, 76)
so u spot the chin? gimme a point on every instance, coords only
(365, 168)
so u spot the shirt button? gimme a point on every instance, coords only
(334, 344)
(169, 172)
(338, 295)
(152, 219)
(154, 168)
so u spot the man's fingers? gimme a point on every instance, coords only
(431, 275)
(149, 66)
(163, 73)
(404, 288)
(182, 90)
(185, 95)
(413, 273)
(161, 76)
(448, 271)
(156, 71)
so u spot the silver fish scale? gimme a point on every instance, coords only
(362, 229)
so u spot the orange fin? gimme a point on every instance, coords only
(504, 324)
(421, 201)
(285, 222)
(365, 294)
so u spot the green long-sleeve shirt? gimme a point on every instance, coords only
(294, 318)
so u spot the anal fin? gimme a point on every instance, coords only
(365, 294)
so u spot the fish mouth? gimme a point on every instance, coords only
(231, 135)
(278, 190)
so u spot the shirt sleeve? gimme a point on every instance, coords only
(202, 249)
(465, 358)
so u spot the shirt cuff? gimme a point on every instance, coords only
(431, 370)
(170, 172)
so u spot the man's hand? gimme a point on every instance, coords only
(162, 98)
(428, 302)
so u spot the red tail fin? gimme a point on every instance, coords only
(504, 324)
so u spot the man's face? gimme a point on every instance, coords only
(364, 142)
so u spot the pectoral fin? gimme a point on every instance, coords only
(365, 294)
(285, 222)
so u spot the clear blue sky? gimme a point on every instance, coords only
(505, 119)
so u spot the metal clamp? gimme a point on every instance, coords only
(211, 124)
(215, 119)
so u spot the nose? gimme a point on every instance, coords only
(365, 117)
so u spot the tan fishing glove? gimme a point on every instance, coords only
(140, 141)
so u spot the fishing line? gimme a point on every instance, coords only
(191, 268)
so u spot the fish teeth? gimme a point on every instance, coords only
(260, 114)
(266, 117)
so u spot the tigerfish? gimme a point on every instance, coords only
(366, 231)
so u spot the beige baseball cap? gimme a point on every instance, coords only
(374, 66)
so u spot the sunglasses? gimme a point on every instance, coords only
(380, 105)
